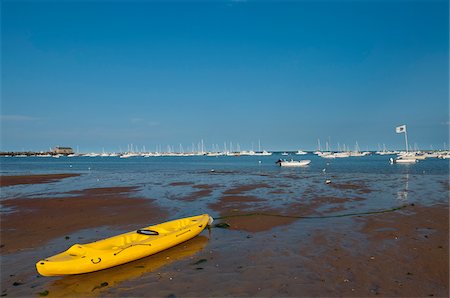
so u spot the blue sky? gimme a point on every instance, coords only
(102, 74)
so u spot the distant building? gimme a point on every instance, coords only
(63, 150)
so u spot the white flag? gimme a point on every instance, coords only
(400, 129)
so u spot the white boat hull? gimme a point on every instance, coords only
(403, 160)
(294, 163)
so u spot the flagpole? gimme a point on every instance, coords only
(406, 140)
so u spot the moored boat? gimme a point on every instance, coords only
(293, 163)
(403, 160)
(263, 153)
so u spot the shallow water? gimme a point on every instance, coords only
(177, 182)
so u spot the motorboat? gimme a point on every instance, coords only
(403, 160)
(293, 163)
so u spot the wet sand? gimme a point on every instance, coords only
(181, 183)
(33, 179)
(401, 253)
(244, 188)
(357, 258)
(204, 190)
(345, 186)
(34, 221)
(250, 213)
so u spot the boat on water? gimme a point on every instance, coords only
(341, 154)
(403, 160)
(327, 155)
(124, 248)
(405, 157)
(412, 155)
(301, 152)
(128, 155)
(285, 154)
(293, 163)
(263, 153)
(386, 152)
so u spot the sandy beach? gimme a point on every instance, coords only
(265, 251)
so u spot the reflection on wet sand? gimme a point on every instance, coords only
(93, 284)
(402, 195)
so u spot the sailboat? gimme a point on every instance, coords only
(404, 157)
(262, 153)
(319, 148)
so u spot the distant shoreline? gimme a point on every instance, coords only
(26, 153)
(422, 154)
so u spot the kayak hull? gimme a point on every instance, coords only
(124, 248)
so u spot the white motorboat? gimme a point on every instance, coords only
(403, 160)
(128, 154)
(301, 152)
(293, 163)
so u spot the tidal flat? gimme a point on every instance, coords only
(276, 232)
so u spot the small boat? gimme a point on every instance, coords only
(124, 248)
(293, 163)
(285, 154)
(327, 155)
(262, 153)
(403, 160)
(301, 152)
(341, 154)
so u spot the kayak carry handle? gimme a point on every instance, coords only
(147, 232)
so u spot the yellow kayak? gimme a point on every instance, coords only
(117, 250)
(87, 285)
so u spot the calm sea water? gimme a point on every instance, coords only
(379, 184)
